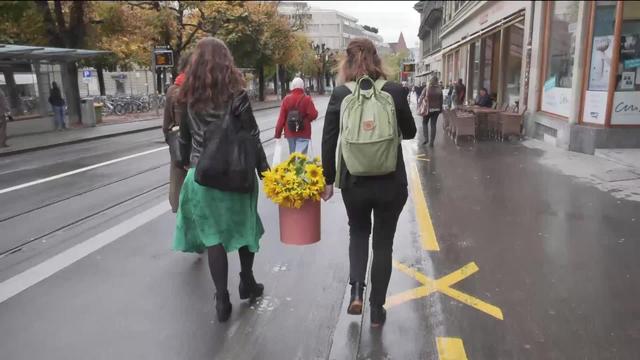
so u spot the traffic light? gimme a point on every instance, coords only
(409, 67)
(163, 58)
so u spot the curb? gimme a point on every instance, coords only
(77, 141)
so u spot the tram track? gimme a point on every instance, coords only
(87, 192)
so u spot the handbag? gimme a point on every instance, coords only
(423, 108)
(175, 143)
(229, 157)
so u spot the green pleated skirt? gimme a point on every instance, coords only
(208, 217)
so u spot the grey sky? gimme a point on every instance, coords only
(390, 17)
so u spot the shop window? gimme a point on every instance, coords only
(561, 39)
(475, 69)
(595, 99)
(626, 101)
(514, 63)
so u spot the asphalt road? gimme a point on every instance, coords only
(530, 264)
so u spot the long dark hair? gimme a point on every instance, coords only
(212, 78)
(362, 59)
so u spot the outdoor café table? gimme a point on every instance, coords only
(482, 124)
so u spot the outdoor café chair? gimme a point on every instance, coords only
(510, 124)
(465, 124)
(493, 119)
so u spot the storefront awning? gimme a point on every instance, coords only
(23, 52)
(510, 20)
(427, 73)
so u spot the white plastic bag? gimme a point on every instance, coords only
(277, 153)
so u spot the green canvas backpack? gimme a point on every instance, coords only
(369, 136)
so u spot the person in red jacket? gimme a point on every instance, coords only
(298, 141)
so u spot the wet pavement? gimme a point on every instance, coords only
(531, 263)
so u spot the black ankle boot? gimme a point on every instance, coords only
(378, 316)
(249, 288)
(223, 306)
(357, 294)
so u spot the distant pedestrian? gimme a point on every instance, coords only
(174, 113)
(484, 99)
(430, 108)
(461, 92)
(383, 195)
(218, 208)
(450, 95)
(418, 90)
(57, 104)
(297, 111)
(5, 115)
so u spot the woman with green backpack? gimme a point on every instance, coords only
(366, 119)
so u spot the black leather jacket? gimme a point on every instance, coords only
(192, 130)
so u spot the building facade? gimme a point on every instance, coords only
(330, 27)
(573, 65)
(429, 59)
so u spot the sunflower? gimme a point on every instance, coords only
(314, 172)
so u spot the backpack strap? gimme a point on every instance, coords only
(297, 106)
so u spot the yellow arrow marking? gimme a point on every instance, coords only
(427, 233)
(450, 349)
(442, 285)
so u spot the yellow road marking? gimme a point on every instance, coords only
(425, 227)
(442, 285)
(422, 157)
(450, 349)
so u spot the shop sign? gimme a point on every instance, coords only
(626, 108)
(628, 64)
(595, 107)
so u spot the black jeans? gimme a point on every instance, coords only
(433, 119)
(385, 199)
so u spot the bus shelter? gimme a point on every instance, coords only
(27, 72)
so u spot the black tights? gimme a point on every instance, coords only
(219, 265)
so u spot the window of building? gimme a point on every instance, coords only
(626, 100)
(600, 62)
(561, 24)
(515, 38)
(475, 68)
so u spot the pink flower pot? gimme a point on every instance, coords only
(300, 226)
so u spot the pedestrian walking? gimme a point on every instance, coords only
(418, 90)
(461, 92)
(57, 103)
(5, 115)
(174, 113)
(450, 95)
(430, 108)
(384, 195)
(297, 111)
(218, 202)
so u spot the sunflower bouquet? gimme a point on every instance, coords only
(294, 181)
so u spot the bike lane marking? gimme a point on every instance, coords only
(425, 226)
(442, 285)
(450, 349)
(77, 171)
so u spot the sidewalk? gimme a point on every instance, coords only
(109, 128)
(616, 171)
